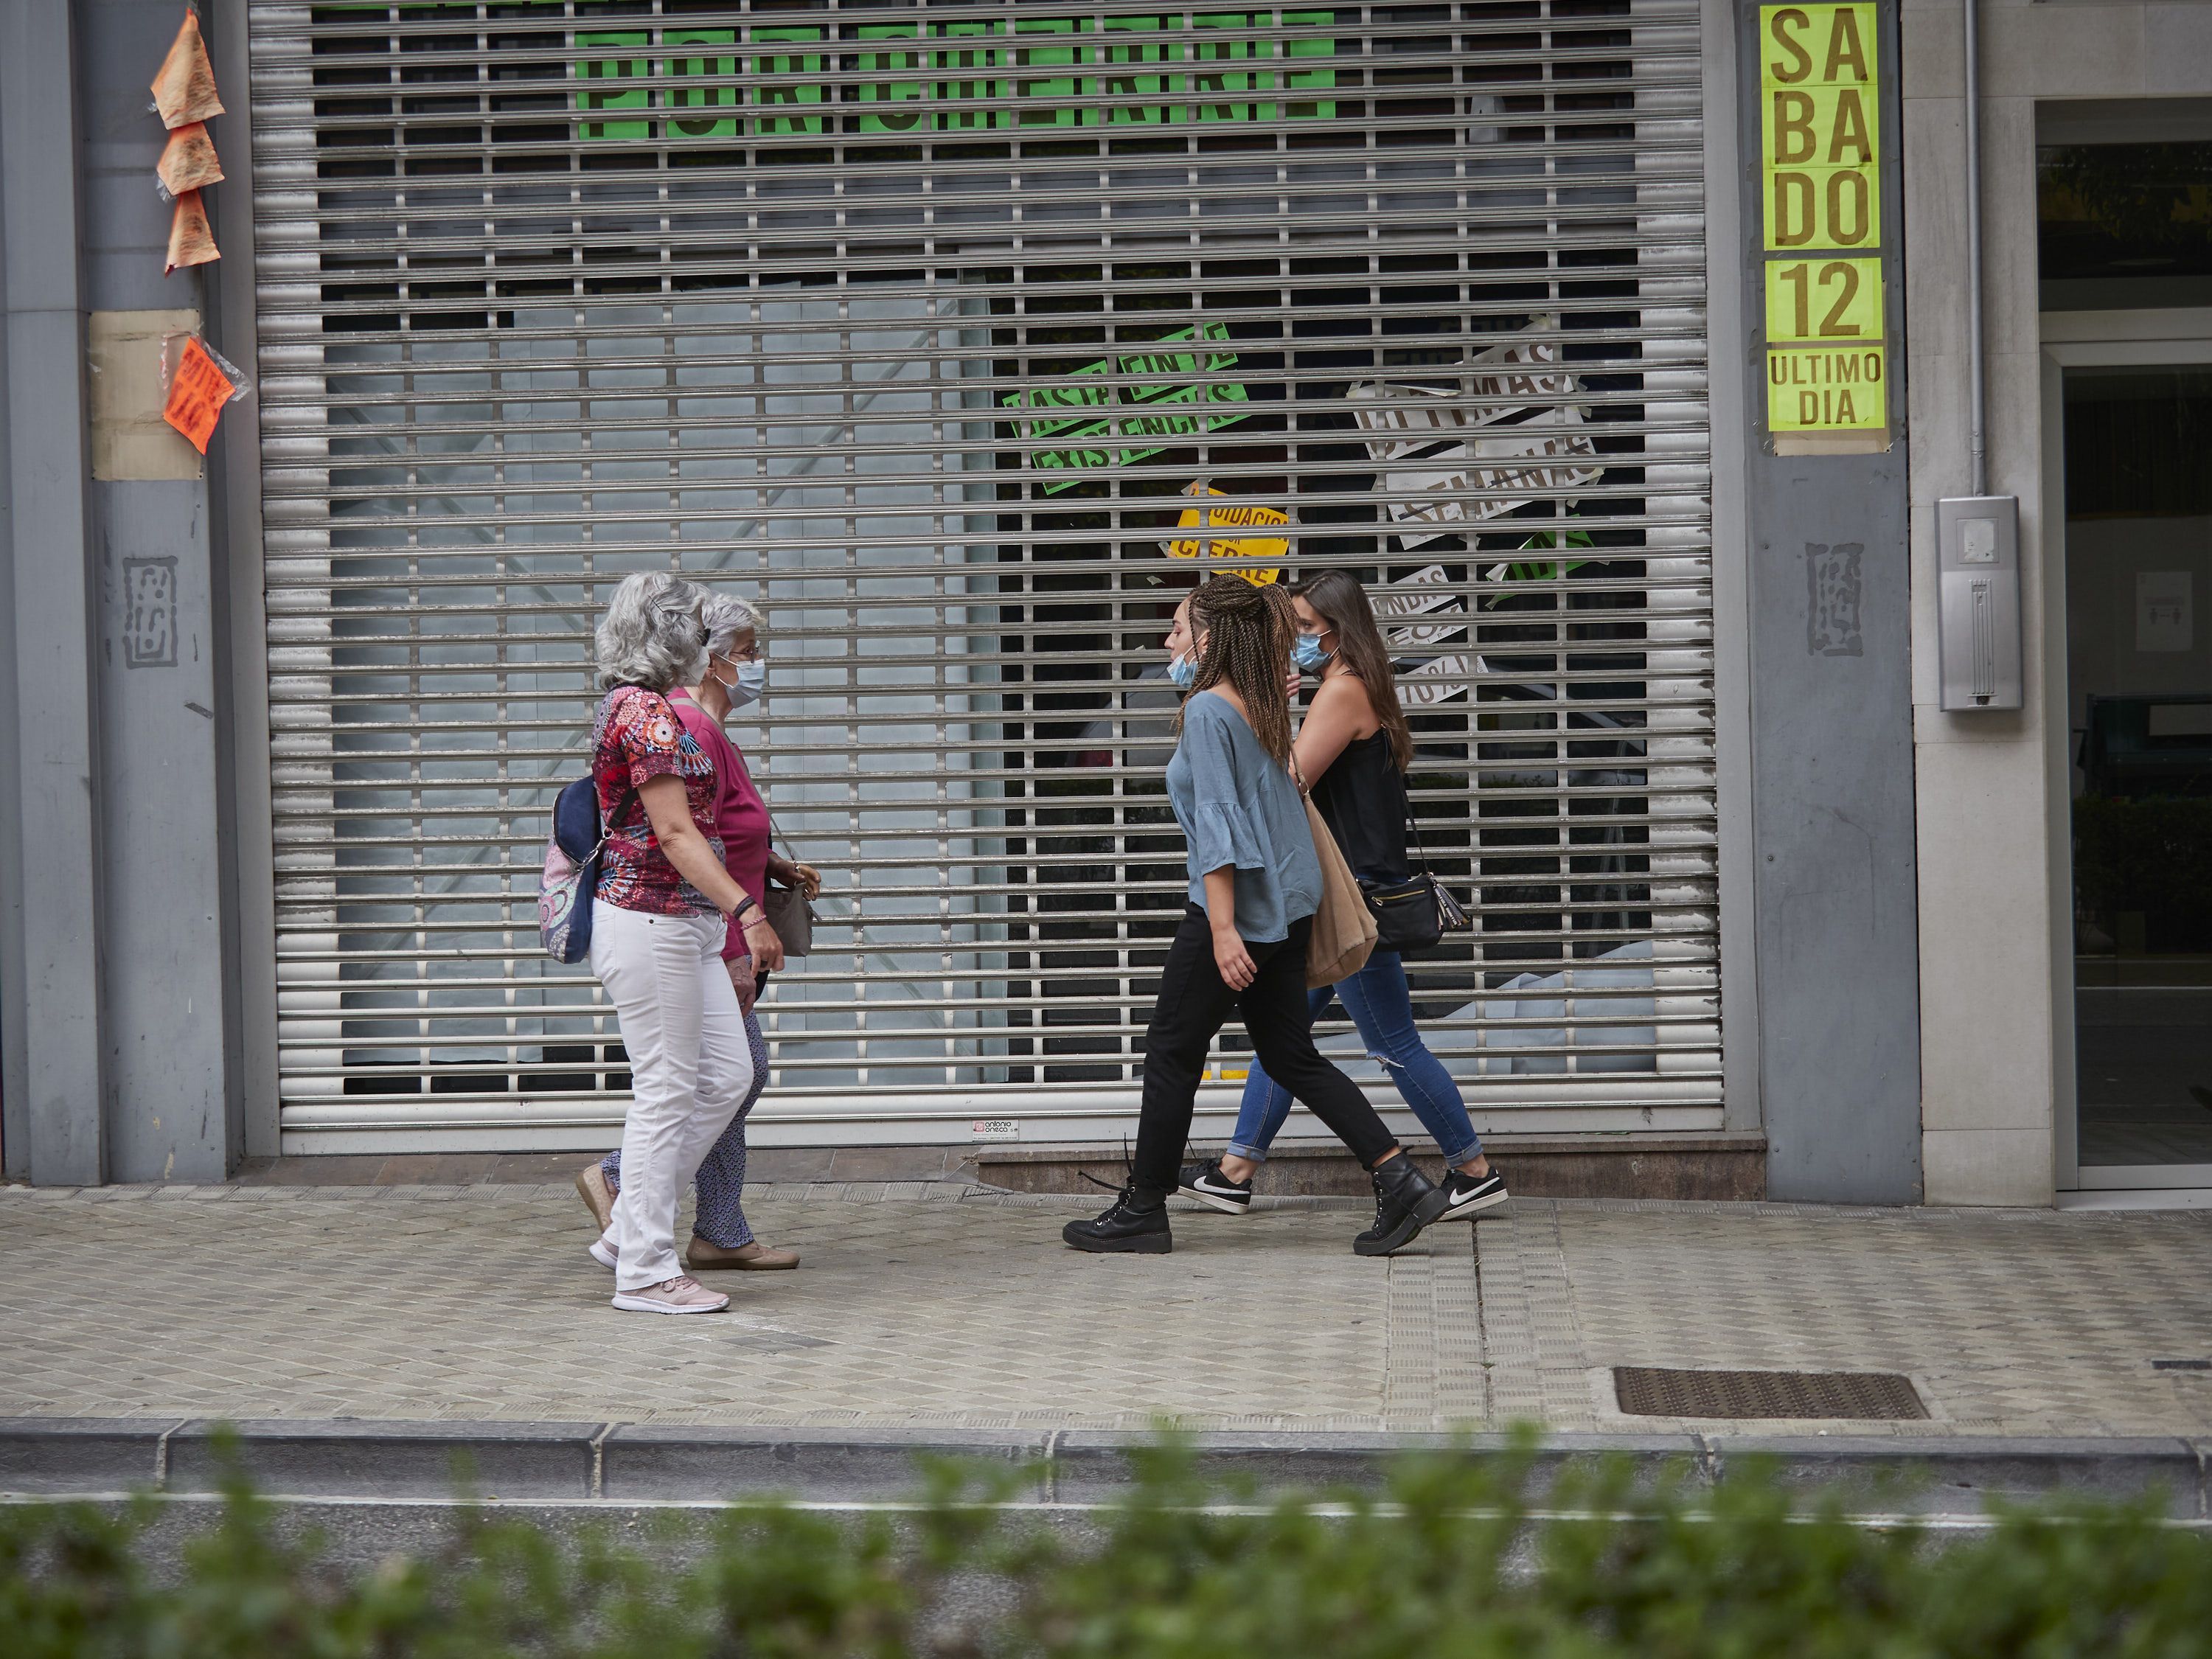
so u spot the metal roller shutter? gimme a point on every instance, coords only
(929, 328)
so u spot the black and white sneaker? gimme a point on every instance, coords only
(1469, 1196)
(1206, 1183)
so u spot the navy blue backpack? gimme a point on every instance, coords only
(571, 878)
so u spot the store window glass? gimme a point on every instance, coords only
(2124, 226)
(2138, 449)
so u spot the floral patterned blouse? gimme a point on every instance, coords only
(638, 737)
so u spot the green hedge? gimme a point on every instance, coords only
(1450, 1563)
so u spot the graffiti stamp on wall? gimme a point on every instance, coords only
(1833, 589)
(149, 613)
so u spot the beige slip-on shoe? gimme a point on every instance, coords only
(599, 1197)
(753, 1258)
(679, 1295)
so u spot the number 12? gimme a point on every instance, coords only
(1852, 299)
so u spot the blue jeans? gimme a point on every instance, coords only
(1382, 1005)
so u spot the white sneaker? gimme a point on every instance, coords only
(604, 1252)
(679, 1295)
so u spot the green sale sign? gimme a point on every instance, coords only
(927, 75)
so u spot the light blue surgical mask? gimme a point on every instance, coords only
(1308, 655)
(752, 681)
(1184, 670)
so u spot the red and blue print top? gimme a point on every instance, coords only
(637, 737)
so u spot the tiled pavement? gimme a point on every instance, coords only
(937, 1304)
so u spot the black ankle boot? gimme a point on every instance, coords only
(1135, 1224)
(1405, 1201)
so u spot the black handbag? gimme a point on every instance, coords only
(1413, 914)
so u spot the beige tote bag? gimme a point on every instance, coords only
(1343, 926)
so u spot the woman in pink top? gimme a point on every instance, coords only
(736, 671)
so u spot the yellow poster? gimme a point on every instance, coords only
(1819, 109)
(1823, 302)
(1818, 389)
(1820, 130)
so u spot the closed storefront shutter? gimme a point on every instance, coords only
(963, 339)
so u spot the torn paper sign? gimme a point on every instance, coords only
(1426, 593)
(188, 160)
(185, 89)
(1505, 468)
(190, 241)
(1437, 680)
(1402, 417)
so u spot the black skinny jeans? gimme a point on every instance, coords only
(1195, 1003)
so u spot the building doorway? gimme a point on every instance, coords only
(2135, 445)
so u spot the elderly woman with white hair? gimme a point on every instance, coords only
(664, 903)
(735, 672)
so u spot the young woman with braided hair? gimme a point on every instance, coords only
(1255, 885)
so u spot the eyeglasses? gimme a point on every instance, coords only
(753, 652)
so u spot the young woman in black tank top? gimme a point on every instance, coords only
(1352, 752)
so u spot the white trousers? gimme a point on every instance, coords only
(690, 1066)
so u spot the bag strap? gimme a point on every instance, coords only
(623, 801)
(607, 830)
(1414, 825)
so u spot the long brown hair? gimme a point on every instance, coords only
(1246, 632)
(1343, 605)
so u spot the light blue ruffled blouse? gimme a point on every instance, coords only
(1238, 807)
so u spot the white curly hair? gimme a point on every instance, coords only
(652, 635)
(727, 616)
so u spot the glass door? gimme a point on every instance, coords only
(2138, 561)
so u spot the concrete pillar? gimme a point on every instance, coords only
(119, 963)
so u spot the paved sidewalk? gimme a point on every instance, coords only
(943, 1305)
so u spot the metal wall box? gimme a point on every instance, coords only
(1978, 542)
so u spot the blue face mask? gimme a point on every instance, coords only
(1184, 670)
(1307, 653)
(750, 681)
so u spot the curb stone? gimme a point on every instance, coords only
(638, 1465)
(357, 1458)
(645, 1463)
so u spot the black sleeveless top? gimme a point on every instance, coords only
(1362, 799)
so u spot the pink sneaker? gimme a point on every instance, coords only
(679, 1295)
(604, 1251)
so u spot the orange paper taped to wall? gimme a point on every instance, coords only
(190, 241)
(189, 160)
(185, 89)
(197, 391)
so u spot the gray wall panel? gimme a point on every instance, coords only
(170, 1070)
(1832, 753)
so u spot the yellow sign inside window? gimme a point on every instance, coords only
(1261, 556)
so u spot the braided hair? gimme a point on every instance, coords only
(1246, 632)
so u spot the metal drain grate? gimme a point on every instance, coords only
(1646, 1391)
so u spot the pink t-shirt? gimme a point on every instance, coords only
(741, 814)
